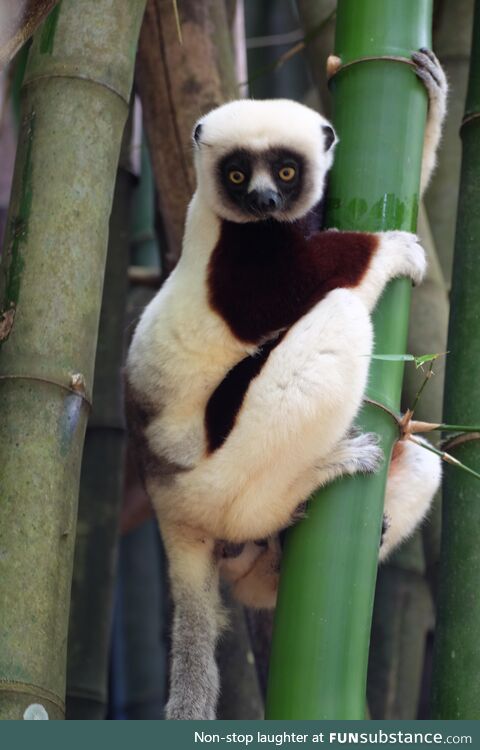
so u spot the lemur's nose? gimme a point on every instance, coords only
(264, 201)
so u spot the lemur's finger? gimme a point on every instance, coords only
(431, 54)
(425, 68)
(430, 63)
(429, 81)
(427, 64)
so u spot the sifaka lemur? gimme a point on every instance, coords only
(248, 368)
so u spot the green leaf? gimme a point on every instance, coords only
(424, 358)
(395, 357)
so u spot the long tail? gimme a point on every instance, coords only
(197, 623)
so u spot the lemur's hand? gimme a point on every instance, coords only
(406, 254)
(429, 70)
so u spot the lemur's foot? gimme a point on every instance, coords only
(409, 254)
(429, 70)
(253, 572)
(360, 454)
(385, 526)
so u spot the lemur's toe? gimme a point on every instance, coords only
(429, 53)
(367, 453)
(429, 70)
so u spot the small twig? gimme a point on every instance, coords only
(274, 40)
(458, 428)
(420, 390)
(177, 21)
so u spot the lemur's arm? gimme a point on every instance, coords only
(365, 263)
(429, 70)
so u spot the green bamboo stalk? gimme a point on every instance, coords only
(320, 645)
(19, 64)
(101, 483)
(451, 39)
(456, 686)
(75, 103)
(402, 618)
(403, 613)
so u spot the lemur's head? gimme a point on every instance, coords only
(263, 159)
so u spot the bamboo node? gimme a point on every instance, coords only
(334, 64)
(76, 385)
(406, 424)
(463, 437)
(30, 688)
(468, 118)
(384, 408)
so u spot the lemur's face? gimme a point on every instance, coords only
(259, 160)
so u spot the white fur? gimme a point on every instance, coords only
(413, 480)
(291, 434)
(260, 125)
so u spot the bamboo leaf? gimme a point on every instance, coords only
(394, 357)
(419, 360)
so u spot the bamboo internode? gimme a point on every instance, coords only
(456, 679)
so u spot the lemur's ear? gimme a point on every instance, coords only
(197, 133)
(330, 136)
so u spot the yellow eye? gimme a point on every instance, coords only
(236, 176)
(287, 173)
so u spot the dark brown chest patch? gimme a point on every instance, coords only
(226, 400)
(264, 276)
